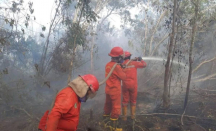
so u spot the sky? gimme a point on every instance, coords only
(44, 11)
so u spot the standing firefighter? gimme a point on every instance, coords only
(64, 115)
(112, 107)
(129, 89)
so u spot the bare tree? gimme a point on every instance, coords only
(74, 46)
(146, 28)
(191, 51)
(166, 99)
(44, 55)
(155, 29)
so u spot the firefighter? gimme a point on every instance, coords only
(64, 115)
(112, 107)
(129, 88)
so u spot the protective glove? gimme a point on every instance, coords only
(43, 120)
(123, 66)
(139, 58)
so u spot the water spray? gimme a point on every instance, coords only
(162, 59)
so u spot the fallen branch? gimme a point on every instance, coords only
(200, 126)
(164, 38)
(169, 114)
(197, 77)
(203, 90)
(204, 95)
(204, 62)
(155, 29)
(140, 128)
(206, 78)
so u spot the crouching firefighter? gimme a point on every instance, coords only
(129, 88)
(65, 110)
(112, 107)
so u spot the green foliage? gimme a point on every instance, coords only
(43, 28)
(75, 36)
(4, 35)
(130, 44)
(16, 8)
(11, 22)
(87, 12)
(67, 3)
(42, 35)
(23, 31)
(22, 51)
(30, 7)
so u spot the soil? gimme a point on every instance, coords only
(202, 109)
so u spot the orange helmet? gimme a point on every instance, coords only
(91, 81)
(127, 53)
(116, 52)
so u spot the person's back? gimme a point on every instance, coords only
(68, 104)
(113, 83)
(129, 88)
(65, 110)
(131, 71)
(112, 106)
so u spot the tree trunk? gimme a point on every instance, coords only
(166, 99)
(75, 15)
(155, 29)
(146, 30)
(44, 54)
(92, 53)
(171, 65)
(70, 71)
(71, 65)
(191, 53)
(159, 43)
(74, 46)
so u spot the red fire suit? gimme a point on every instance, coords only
(64, 115)
(129, 88)
(113, 90)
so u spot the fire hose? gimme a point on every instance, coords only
(111, 71)
(103, 81)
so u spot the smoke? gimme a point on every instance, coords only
(24, 88)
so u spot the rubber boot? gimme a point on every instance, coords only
(115, 126)
(106, 119)
(133, 112)
(124, 113)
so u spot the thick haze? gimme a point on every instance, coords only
(140, 27)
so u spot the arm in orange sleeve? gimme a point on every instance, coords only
(62, 105)
(141, 64)
(43, 120)
(120, 73)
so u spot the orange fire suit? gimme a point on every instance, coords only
(129, 88)
(64, 115)
(113, 90)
